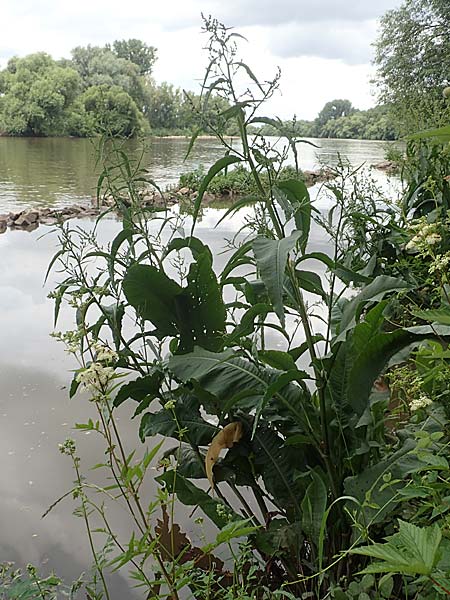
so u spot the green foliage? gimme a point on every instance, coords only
(412, 57)
(136, 52)
(18, 585)
(338, 119)
(111, 110)
(334, 110)
(38, 96)
(325, 458)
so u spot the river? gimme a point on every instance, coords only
(35, 413)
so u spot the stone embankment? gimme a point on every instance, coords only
(30, 219)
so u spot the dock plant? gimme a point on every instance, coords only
(328, 368)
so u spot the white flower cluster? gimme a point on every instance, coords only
(425, 235)
(103, 353)
(71, 339)
(96, 378)
(440, 263)
(420, 402)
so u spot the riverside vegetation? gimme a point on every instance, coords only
(324, 375)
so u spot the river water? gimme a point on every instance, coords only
(35, 413)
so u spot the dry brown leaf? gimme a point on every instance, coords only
(230, 435)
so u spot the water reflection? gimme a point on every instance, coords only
(35, 412)
(62, 171)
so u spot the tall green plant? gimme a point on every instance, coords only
(294, 357)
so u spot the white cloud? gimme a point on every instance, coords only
(322, 46)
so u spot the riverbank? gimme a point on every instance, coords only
(29, 219)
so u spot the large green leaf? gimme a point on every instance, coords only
(378, 500)
(411, 551)
(201, 311)
(314, 505)
(441, 134)
(140, 389)
(183, 422)
(437, 315)
(271, 258)
(153, 294)
(246, 325)
(195, 313)
(294, 194)
(276, 463)
(360, 359)
(196, 246)
(372, 292)
(231, 378)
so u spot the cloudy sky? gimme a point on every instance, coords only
(322, 46)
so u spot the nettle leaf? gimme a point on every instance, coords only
(411, 551)
(271, 258)
(235, 529)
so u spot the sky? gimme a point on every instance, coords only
(323, 47)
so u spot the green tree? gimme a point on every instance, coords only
(100, 66)
(333, 110)
(38, 95)
(111, 110)
(163, 106)
(413, 61)
(137, 53)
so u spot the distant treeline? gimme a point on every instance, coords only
(339, 119)
(110, 90)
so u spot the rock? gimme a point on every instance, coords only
(389, 166)
(208, 197)
(184, 191)
(31, 226)
(49, 220)
(22, 221)
(3, 226)
(32, 216)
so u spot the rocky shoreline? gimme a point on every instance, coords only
(29, 219)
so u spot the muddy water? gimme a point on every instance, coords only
(35, 412)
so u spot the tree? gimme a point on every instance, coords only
(99, 66)
(136, 52)
(162, 106)
(112, 111)
(333, 110)
(413, 61)
(38, 95)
